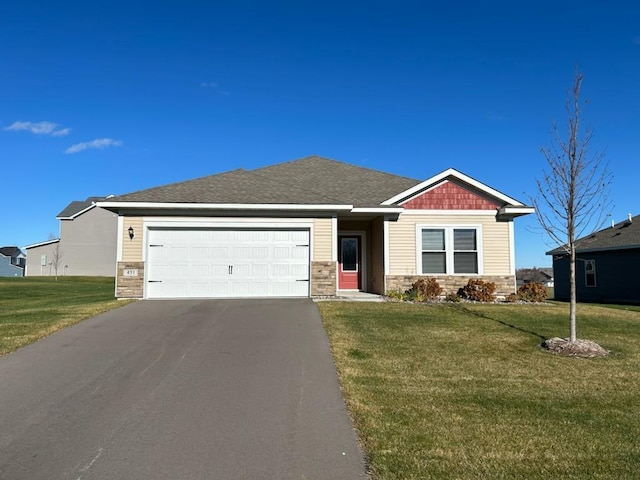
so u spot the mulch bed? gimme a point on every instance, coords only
(579, 348)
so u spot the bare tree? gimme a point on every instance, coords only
(56, 257)
(573, 194)
(56, 254)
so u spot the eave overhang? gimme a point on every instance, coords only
(42, 244)
(511, 211)
(263, 207)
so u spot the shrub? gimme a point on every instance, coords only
(452, 297)
(532, 292)
(511, 298)
(424, 289)
(398, 295)
(478, 290)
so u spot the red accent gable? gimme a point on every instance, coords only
(450, 196)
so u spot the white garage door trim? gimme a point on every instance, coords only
(225, 262)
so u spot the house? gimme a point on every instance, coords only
(311, 227)
(87, 243)
(607, 263)
(12, 262)
(537, 275)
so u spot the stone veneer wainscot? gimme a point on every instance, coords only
(450, 284)
(130, 287)
(323, 279)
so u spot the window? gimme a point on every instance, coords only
(590, 273)
(449, 250)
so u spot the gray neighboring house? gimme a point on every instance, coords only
(12, 262)
(606, 267)
(87, 243)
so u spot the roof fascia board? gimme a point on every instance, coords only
(511, 211)
(77, 214)
(377, 210)
(222, 206)
(595, 249)
(451, 172)
(42, 244)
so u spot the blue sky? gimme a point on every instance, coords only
(102, 98)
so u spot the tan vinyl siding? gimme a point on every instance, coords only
(497, 248)
(322, 240)
(132, 249)
(403, 248)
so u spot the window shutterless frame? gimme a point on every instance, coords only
(449, 249)
(590, 273)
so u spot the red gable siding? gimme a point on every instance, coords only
(450, 196)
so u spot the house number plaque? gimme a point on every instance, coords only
(130, 272)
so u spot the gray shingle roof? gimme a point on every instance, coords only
(312, 181)
(622, 235)
(77, 206)
(10, 251)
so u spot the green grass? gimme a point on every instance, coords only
(33, 307)
(463, 390)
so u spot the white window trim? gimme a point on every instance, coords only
(449, 228)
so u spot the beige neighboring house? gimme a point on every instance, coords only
(312, 227)
(86, 247)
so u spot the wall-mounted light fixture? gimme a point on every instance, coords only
(131, 232)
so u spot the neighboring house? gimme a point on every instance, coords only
(312, 227)
(12, 262)
(87, 243)
(537, 275)
(40, 258)
(606, 265)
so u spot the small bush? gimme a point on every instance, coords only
(512, 298)
(452, 297)
(478, 290)
(398, 295)
(532, 292)
(424, 289)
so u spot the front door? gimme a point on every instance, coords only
(350, 263)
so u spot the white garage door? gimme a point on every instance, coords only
(204, 263)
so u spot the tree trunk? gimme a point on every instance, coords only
(572, 294)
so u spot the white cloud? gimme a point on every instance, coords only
(39, 128)
(99, 143)
(61, 133)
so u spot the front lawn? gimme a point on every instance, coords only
(463, 391)
(33, 307)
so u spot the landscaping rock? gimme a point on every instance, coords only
(579, 348)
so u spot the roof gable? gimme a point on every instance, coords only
(450, 195)
(461, 179)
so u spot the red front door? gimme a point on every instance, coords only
(349, 264)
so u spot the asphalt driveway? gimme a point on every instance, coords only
(198, 389)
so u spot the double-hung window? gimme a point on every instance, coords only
(590, 273)
(449, 250)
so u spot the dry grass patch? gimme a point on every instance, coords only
(465, 391)
(34, 307)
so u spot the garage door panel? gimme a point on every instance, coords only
(227, 263)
